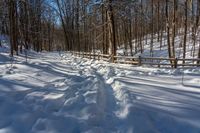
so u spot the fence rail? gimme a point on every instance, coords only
(153, 61)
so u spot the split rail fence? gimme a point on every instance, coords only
(153, 61)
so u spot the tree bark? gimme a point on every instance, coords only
(111, 27)
(185, 30)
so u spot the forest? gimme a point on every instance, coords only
(99, 66)
(102, 25)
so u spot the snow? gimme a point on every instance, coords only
(163, 51)
(59, 93)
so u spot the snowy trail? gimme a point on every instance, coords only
(65, 94)
(54, 95)
(158, 96)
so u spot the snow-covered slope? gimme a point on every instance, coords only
(59, 93)
(162, 50)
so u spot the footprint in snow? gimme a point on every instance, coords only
(37, 74)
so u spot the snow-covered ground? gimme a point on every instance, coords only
(162, 51)
(59, 93)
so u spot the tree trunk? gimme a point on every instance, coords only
(168, 29)
(111, 27)
(174, 28)
(185, 30)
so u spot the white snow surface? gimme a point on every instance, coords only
(59, 93)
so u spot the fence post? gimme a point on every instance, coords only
(175, 62)
(112, 58)
(98, 57)
(140, 61)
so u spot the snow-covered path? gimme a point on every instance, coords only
(62, 94)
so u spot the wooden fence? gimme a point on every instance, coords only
(153, 61)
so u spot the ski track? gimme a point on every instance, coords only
(64, 94)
